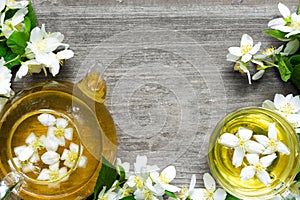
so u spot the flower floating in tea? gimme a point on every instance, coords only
(259, 155)
(55, 151)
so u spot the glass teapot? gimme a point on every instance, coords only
(52, 138)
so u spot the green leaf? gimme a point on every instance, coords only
(9, 56)
(128, 198)
(122, 174)
(31, 15)
(277, 34)
(3, 49)
(107, 176)
(10, 13)
(284, 71)
(294, 60)
(17, 42)
(230, 197)
(297, 178)
(9, 191)
(170, 194)
(27, 23)
(295, 77)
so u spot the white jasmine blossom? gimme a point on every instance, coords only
(70, 156)
(271, 143)
(53, 173)
(60, 131)
(210, 192)
(279, 23)
(241, 143)
(5, 77)
(125, 166)
(246, 50)
(109, 194)
(258, 168)
(148, 192)
(24, 153)
(13, 24)
(25, 166)
(163, 179)
(287, 105)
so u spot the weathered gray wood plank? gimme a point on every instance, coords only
(168, 80)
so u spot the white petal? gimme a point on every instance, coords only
(159, 190)
(65, 54)
(54, 167)
(141, 161)
(254, 147)
(36, 35)
(74, 147)
(26, 154)
(247, 57)
(64, 155)
(229, 140)
(50, 157)
(169, 173)
(209, 182)
(219, 194)
(29, 168)
(62, 141)
(30, 139)
(292, 33)
(51, 143)
(262, 139)
(295, 103)
(69, 164)
(62, 172)
(61, 123)
(50, 131)
(19, 16)
(272, 133)
(19, 149)
(255, 49)
(82, 162)
(247, 173)
(266, 161)
(193, 182)
(34, 158)
(282, 148)
(264, 177)
(235, 51)
(171, 188)
(198, 194)
(276, 22)
(258, 75)
(252, 158)
(232, 58)
(47, 119)
(238, 156)
(285, 29)
(69, 133)
(54, 67)
(246, 40)
(130, 182)
(44, 175)
(279, 100)
(2, 6)
(268, 151)
(244, 133)
(285, 11)
(268, 104)
(23, 70)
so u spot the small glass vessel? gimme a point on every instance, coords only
(283, 169)
(53, 136)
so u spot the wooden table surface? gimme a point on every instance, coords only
(165, 65)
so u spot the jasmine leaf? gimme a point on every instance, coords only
(17, 42)
(9, 56)
(294, 60)
(10, 13)
(27, 23)
(297, 178)
(295, 76)
(230, 197)
(277, 34)
(128, 198)
(3, 49)
(31, 15)
(107, 176)
(122, 174)
(170, 194)
(284, 71)
(9, 191)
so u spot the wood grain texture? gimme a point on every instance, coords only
(164, 62)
